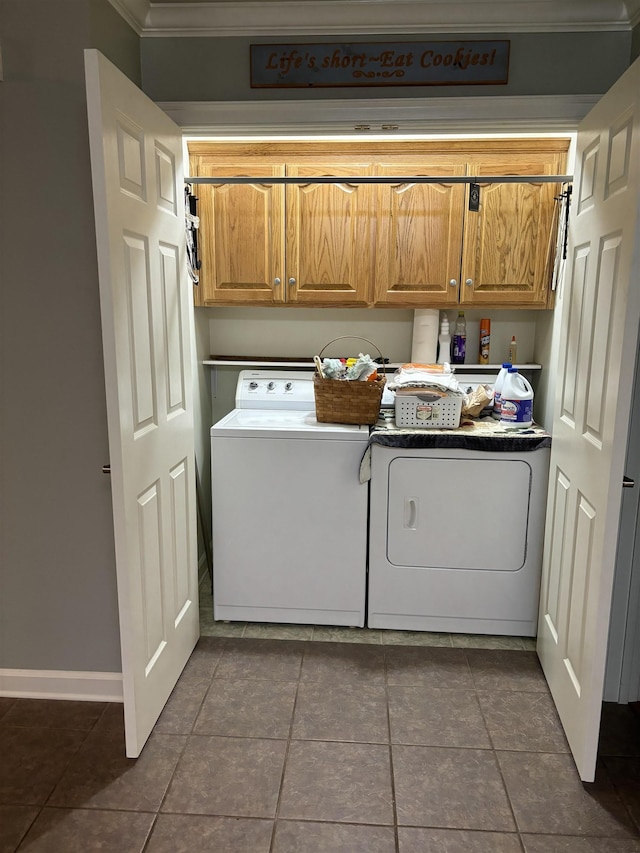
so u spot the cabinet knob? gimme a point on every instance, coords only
(292, 282)
(469, 281)
(277, 281)
(453, 282)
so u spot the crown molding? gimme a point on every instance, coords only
(284, 18)
(527, 114)
(134, 12)
(633, 12)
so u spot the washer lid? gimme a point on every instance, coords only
(270, 423)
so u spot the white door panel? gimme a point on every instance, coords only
(145, 296)
(599, 330)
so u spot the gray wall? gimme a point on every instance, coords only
(217, 69)
(114, 38)
(58, 607)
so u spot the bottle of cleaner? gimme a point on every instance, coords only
(516, 400)
(444, 342)
(485, 341)
(459, 339)
(513, 350)
(497, 389)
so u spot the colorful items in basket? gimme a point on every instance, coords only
(361, 368)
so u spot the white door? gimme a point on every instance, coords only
(600, 309)
(145, 297)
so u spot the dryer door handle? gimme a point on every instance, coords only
(411, 513)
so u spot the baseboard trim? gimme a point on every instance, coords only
(57, 684)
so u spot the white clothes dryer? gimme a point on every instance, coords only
(289, 511)
(456, 534)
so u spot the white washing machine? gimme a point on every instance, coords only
(456, 535)
(289, 510)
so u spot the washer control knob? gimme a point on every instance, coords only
(271, 386)
(288, 386)
(253, 386)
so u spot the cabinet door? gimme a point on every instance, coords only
(419, 235)
(509, 243)
(329, 236)
(241, 234)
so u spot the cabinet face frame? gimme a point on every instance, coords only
(377, 273)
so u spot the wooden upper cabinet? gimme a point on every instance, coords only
(241, 235)
(509, 244)
(419, 234)
(329, 236)
(404, 244)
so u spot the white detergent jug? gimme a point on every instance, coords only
(516, 401)
(497, 388)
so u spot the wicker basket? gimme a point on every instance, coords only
(340, 401)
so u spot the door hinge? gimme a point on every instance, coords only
(474, 197)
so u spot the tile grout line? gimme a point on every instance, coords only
(394, 802)
(72, 757)
(41, 807)
(187, 739)
(495, 757)
(286, 755)
(30, 827)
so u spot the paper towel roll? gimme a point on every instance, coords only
(424, 346)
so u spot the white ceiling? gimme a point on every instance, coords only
(158, 18)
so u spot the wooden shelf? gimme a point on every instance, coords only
(239, 362)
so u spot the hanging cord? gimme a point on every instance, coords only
(192, 223)
(563, 234)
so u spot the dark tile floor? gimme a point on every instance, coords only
(275, 746)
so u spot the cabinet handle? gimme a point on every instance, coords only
(292, 282)
(453, 282)
(277, 281)
(469, 281)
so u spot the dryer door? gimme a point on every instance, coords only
(458, 513)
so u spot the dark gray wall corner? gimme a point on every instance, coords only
(635, 43)
(112, 36)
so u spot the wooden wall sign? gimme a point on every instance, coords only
(429, 63)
